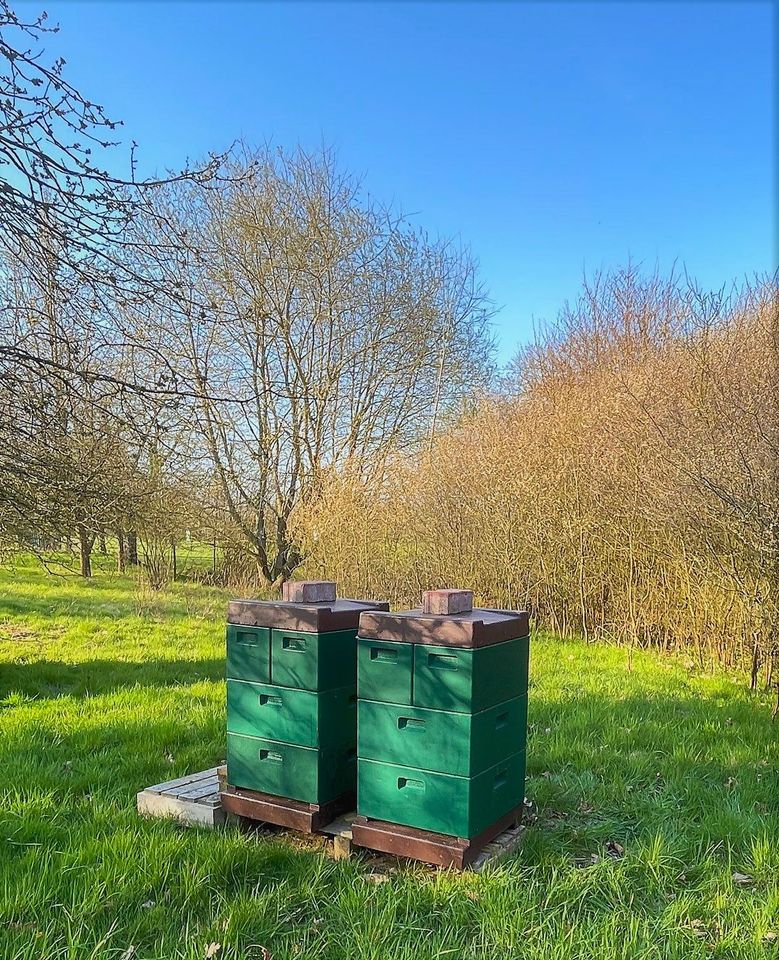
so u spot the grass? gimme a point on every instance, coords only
(653, 787)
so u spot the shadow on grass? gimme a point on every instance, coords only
(50, 678)
(601, 766)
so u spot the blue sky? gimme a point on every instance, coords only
(551, 138)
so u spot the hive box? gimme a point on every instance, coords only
(461, 744)
(444, 678)
(295, 716)
(460, 806)
(314, 775)
(442, 716)
(291, 693)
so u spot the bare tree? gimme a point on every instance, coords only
(68, 361)
(331, 330)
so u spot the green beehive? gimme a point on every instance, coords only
(442, 715)
(442, 677)
(291, 693)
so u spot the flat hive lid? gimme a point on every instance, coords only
(479, 627)
(323, 617)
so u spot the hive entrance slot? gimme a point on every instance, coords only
(294, 644)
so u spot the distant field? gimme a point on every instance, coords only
(657, 791)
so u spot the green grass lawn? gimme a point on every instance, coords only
(654, 787)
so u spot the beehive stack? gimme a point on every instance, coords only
(291, 697)
(442, 719)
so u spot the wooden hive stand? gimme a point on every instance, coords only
(197, 799)
(438, 849)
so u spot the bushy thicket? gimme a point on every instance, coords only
(624, 484)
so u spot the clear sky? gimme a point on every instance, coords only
(552, 138)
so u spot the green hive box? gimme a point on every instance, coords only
(444, 678)
(459, 806)
(295, 716)
(461, 744)
(291, 697)
(313, 661)
(310, 774)
(442, 718)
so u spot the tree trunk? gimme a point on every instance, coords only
(174, 560)
(85, 542)
(121, 557)
(755, 662)
(132, 549)
(102, 546)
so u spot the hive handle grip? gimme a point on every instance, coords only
(246, 639)
(404, 783)
(266, 698)
(293, 644)
(502, 720)
(501, 779)
(410, 723)
(442, 661)
(382, 653)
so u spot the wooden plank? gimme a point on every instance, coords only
(342, 847)
(283, 811)
(437, 849)
(189, 778)
(508, 842)
(196, 790)
(433, 848)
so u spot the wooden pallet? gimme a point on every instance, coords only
(193, 799)
(504, 844)
(294, 814)
(437, 849)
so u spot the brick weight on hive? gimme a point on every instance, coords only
(291, 706)
(442, 727)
